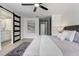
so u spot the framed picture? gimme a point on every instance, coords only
(31, 26)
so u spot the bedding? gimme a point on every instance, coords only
(33, 48)
(67, 35)
(76, 38)
(62, 35)
(67, 48)
(48, 47)
(42, 46)
(51, 46)
(70, 35)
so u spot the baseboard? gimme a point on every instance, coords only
(6, 41)
(28, 39)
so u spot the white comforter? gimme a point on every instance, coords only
(42, 46)
(51, 46)
(33, 48)
(67, 48)
(48, 47)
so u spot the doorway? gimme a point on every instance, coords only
(6, 27)
(45, 26)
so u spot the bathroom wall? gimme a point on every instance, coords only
(6, 25)
(6, 28)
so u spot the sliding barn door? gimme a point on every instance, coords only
(16, 28)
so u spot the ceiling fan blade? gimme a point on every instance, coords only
(43, 7)
(34, 9)
(24, 4)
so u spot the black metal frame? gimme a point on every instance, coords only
(19, 26)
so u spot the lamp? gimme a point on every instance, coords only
(60, 29)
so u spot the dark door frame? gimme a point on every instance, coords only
(42, 22)
(49, 23)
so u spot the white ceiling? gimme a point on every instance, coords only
(27, 11)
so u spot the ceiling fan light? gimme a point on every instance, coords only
(36, 5)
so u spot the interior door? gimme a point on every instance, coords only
(42, 29)
(16, 28)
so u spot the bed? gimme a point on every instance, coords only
(60, 45)
(42, 46)
(67, 48)
(51, 47)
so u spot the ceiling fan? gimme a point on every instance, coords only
(36, 5)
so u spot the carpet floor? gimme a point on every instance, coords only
(18, 51)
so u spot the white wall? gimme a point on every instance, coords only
(24, 31)
(59, 21)
(56, 24)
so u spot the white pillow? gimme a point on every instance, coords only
(70, 35)
(62, 35)
(76, 37)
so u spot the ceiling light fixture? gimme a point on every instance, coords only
(36, 5)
